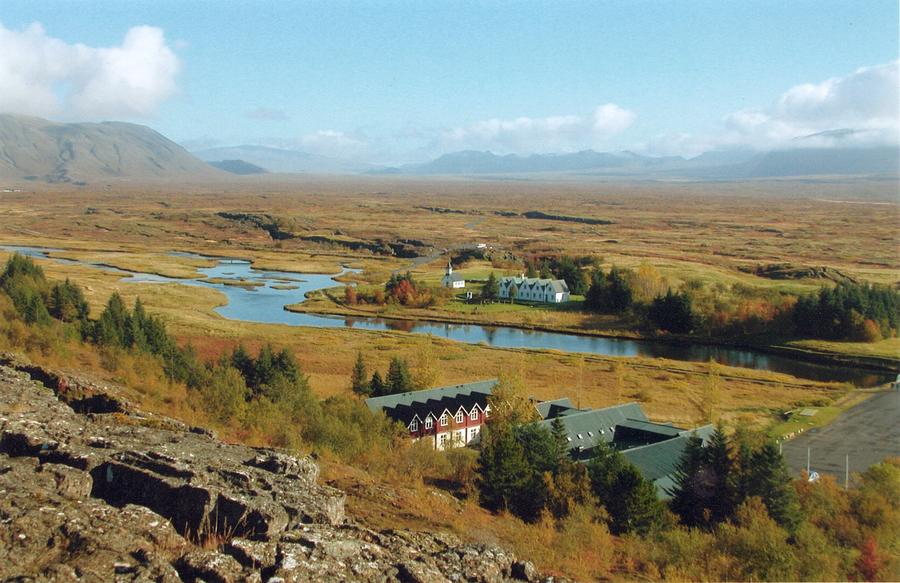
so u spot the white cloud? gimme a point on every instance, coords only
(44, 76)
(545, 134)
(866, 100)
(866, 103)
(335, 144)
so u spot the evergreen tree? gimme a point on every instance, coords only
(691, 492)
(377, 387)
(721, 473)
(503, 470)
(67, 302)
(629, 499)
(491, 289)
(560, 441)
(672, 312)
(243, 362)
(768, 478)
(399, 379)
(359, 380)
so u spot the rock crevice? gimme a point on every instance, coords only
(98, 493)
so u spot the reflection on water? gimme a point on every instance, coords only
(263, 303)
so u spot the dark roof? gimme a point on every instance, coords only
(376, 404)
(435, 407)
(549, 409)
(657, 461)
(594, 424)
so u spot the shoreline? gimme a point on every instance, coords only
(873, 363)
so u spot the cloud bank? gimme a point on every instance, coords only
(44, 76)
(544, 134)
(859, 109)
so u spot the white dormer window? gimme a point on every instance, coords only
(580, 437)
(444, 420)
(414, 426)
(568, 439)
(474, 415)
(459, 417)
(428, 422)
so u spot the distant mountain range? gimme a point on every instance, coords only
(280, 160)
(37, 149)
(238, 167)
(32, 148)
(719, 165)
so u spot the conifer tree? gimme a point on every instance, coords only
(502, 469)
(721, 474)
(399, 380)
(377, 387)
(359, 380)
(491, 290)
(768, 478)
(691, 491)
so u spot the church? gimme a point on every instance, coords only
(452, 280)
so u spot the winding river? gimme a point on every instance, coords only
(266, 293)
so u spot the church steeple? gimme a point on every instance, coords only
(449, 267)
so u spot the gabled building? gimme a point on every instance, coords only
(653, 448)
(453, 416)
(452, 280)
(444, 417)
(533, 289)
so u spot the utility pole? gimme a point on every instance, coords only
(807, 461)
(847, 471)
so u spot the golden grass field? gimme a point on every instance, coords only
(684, 230)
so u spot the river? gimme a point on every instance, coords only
(264, 302)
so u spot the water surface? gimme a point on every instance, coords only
(265, 304)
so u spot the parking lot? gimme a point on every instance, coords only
(868, 432)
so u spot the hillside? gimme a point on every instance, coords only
(37, 149)
(282, 160)
(97, 490)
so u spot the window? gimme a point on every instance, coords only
(414, 426)
(442, 441)
(474, 415)
(444, 420)
(590, 434)
(459, 416)
(580, 437)
(428, 423)
(568, 439)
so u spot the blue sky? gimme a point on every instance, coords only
(401, 81)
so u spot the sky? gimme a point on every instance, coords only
(394, 82)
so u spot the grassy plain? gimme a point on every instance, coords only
(686, 231)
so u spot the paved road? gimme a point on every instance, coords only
(868, 432)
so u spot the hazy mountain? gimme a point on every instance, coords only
(280, 160)
(715, 165)
(474, 162)
(37, 149)
(238, 167)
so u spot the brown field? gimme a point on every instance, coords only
(685, 230)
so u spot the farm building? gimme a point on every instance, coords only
(533, 289)
(453, 417)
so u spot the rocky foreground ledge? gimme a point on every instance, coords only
(93, 490)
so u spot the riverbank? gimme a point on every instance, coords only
(327, 303)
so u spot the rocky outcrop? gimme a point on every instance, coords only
(110, 493)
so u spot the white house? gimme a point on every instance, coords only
(452, 280)
(533, 289)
